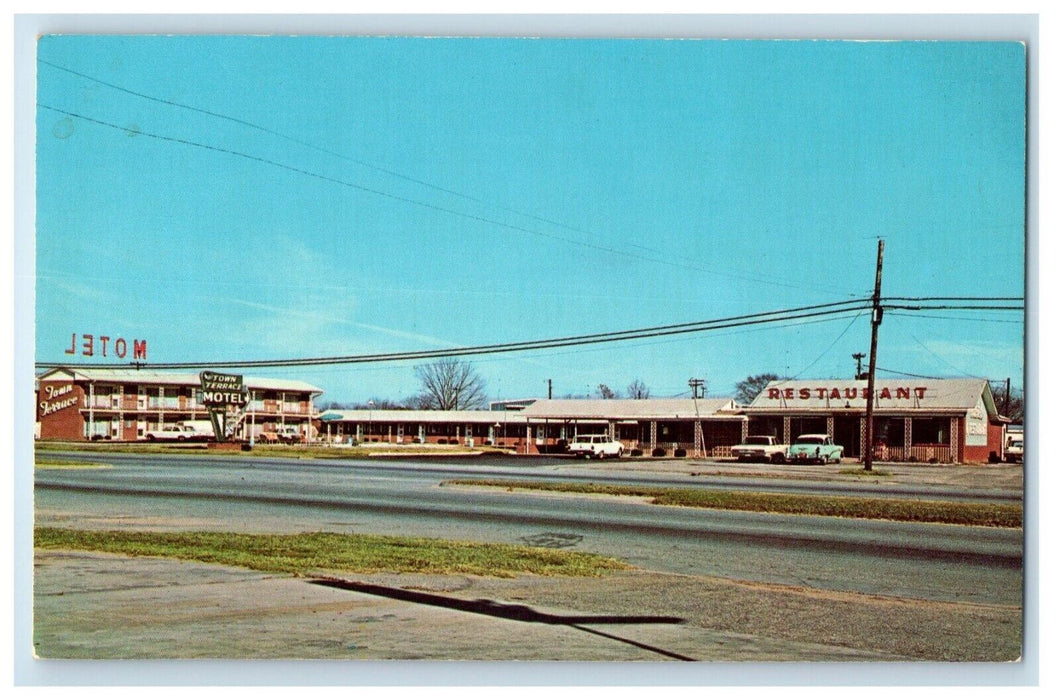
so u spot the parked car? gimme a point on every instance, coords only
(1014, 450)
(289, 434)
(598, 446)
(182, 432)
(815, 447)
(1012, 444)
(760, 448)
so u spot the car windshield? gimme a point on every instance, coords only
(811, 440)
(756, 440)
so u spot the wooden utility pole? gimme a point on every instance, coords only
(877, 317)
(699, 447)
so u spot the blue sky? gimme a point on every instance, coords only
(248, 198)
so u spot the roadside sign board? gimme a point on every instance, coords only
(222, 389)
(219, 391)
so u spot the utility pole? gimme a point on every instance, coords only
(1008, 388)
(858, 356)
(877, 317)
(550, 389)
(699, 445)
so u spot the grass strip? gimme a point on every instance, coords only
(54, 463)
(264, 450)
(313, 552)
(907, 510)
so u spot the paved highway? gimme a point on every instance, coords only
(248, 493)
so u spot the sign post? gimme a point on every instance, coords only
(219, 391)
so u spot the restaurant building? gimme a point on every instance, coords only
(922, 420)
(127, 404)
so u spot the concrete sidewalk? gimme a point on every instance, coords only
(96, 606)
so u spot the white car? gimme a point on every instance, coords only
(598, 446)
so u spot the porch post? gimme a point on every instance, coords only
(907, 447)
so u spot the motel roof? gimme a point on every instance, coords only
(892, 395)
(631, 409)
(586, 410)
(139, 376)
(389, 415)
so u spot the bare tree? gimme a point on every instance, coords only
(449, 384)
(749, 388)
(605, 392)
(1014, 407)
(637, 389)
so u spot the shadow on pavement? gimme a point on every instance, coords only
(520, 613)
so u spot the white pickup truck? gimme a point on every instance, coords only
(760, 448)
(598, 446)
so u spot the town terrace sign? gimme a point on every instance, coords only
(219, 391)
(222, 389)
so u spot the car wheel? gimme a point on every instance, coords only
(778, 459)
(150, 438)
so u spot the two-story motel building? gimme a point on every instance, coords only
(126, 404)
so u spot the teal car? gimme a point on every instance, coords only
(815, 447)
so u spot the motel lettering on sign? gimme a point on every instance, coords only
(222, 389)
(92, 345)
(56, 398)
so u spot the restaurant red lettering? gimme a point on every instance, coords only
(806, 393)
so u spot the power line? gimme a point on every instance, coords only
(826, 350)
(905, 374)
(884, 299)
(779, 316)
(955, 318)
(435, 207)
(952, 307)
(321, 149)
